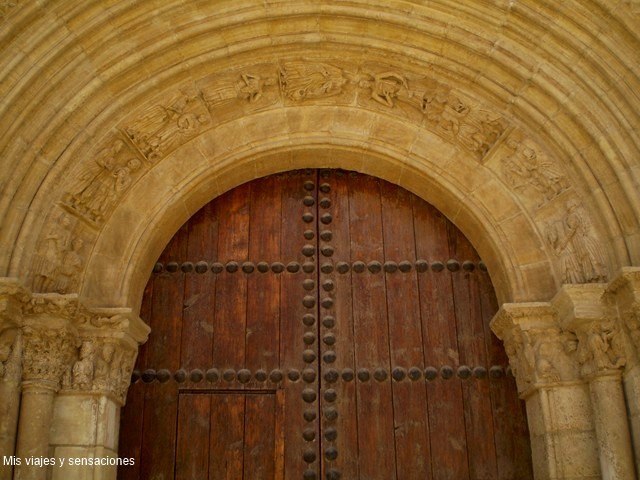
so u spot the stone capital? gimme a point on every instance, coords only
(108, 346)
(624, 293)
(540, 352)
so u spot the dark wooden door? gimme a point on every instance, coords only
(322, 324)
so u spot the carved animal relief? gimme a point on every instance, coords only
(581, 259)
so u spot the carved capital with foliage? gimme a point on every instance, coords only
(540, 352)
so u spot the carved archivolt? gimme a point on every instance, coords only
(155, 130)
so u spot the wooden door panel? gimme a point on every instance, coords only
(334, 292)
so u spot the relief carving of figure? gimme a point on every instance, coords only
(49, 259)
(481, 136)
(386, 87)
(598, 351)
(104, 367)
(99, 188)
(251, 87)
(164, 127)
(581, 258)
(305, 81)
(525, 169)
(82, 371)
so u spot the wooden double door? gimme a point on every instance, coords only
(321, 325)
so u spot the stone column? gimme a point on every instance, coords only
(49, 342)
(543, 359)
(601, 354)
(86, 417)
(624, 293)
(12, 296)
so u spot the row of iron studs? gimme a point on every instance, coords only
(329, 395)
(309, 355)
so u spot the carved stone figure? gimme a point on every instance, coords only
(10, 354)
(251, 87)
(597, 351)
(581, 257)
(99, 188)
(481, 136)
(82, 371)
(386, 87)
(162, 128)
(52, 273)
(105, 368)
(523, 169)
(306, 81)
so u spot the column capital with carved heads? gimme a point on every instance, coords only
(586, 311)
(624, 293)
(540, 352)
(109, 340)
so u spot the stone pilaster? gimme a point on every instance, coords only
(49, 341)
(87, 409)
(624, 294)
(12, 297)
(543, 359)
(601, 353)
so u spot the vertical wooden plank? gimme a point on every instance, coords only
(511, 433)
(263, 289)
(374, 400)
(226, 454)
(161, 400)
(192, 454)
(411, 429)
(292, 327)
(131, 419)
(229, 327)
(477, 400)
(445, 405)
(199, 297)
(278, 451)
(340, 328)
(259, 439)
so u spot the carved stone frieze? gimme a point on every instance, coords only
(531, 173)
(164, 126)
(580, 255)
(301, 80)
(60, 256)
(97, 189)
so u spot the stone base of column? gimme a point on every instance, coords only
(563, 441)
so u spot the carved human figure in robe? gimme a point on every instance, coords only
(70, 266)
(301, 80)
(104, 364)
(580, 255)
(82, 372)
(48, 260)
